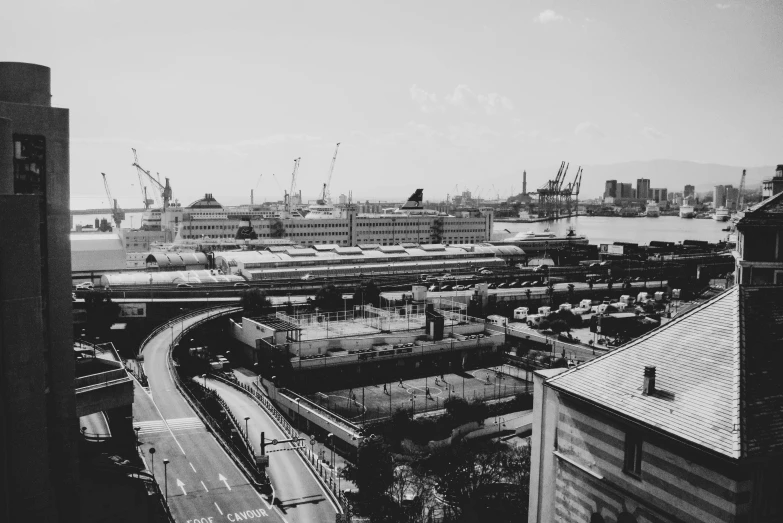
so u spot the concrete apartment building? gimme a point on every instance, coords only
(689, 191)
(659, 195)
(682, 425)
(774, 185)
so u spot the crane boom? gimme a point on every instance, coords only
(142, 186)
(327, 196)
(165, 191)
(293, 185)
(117, 214)
(741, 197)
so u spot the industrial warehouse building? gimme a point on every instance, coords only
(333, 260)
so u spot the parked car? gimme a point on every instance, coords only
(492, 286)
(513, 284)
(459, 288)
(181, 285)
(86, 286)
(433, 288)
(445, 287)
(241, 284)
(308, 277)
(502, 285)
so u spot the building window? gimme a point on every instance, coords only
(633, 454)
(29, 164)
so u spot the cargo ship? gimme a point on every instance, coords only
(721, 214)
(652, 210)
(686, 211)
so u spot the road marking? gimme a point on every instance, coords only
(218, 507)
(156, 426)
(222, 478)
(205, 487)
(182, 486)
(194, 468)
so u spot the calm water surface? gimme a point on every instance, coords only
(605, 229)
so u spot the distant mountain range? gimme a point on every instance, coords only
(671, 174)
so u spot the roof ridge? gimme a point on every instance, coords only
(738, 433)
(725, 294)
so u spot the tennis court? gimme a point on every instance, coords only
(423, 394)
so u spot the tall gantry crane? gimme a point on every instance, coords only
(326, 197)
(293, 185)
(571, 190)
(165, 191)
(741, 197)
(117, 214)
(550, 194)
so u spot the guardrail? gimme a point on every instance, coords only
(327, 475)
(176, 319)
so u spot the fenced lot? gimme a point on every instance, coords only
(380, 400)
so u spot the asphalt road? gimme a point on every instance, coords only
(203, 484)
(300, 497)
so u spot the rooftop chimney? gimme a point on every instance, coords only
(649, 380)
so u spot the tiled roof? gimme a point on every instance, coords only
(718, 375)
(697, 377)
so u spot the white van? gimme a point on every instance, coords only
(545, 311)
(534, 320)
(625, 298)
(565, 307)
(496, 319)
(520, 313)
(643, 297)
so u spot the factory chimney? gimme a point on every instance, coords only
(524, 182)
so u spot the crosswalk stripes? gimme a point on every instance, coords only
(175, 424)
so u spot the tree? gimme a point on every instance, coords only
(328, 298)
(590, 283)
(570, 292)
(367, 292)
(559, 326)
(254, 301)
(528, 293)
(373, 474)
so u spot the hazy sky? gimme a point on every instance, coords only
(432, 94)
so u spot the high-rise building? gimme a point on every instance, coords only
(659, 195)
(39, 426)
(690, 190)
(719, 196)
(610, 190)
(625, 190)
(643, 188)
(732, 197)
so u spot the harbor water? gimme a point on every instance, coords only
(608, 229)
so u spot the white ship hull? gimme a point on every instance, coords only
(686, 211)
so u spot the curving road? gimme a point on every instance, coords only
(301, 498)
(203, 484)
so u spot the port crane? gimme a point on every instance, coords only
(165, 191)
(117, 214)
(571, 190)
(326, 197)
(741, 197)
(550, 195)
(290, 202)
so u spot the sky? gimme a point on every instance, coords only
(445, 95)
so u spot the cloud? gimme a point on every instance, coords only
(589, 129)
(548, 16)
(473, 136)
(723, 6)
(652, 132)
(464, 97)
(428, 102)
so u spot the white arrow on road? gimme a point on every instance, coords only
(222, 478)
(182, 486)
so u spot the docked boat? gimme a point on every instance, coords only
(686, 211)
(652, 210)
(532, 242)
(721, 214)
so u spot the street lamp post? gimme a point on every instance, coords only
(298, 415)
(152, 456)
(166, 479)
(247, 434)
(137, 429)
(205, 380)
(330, 437)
